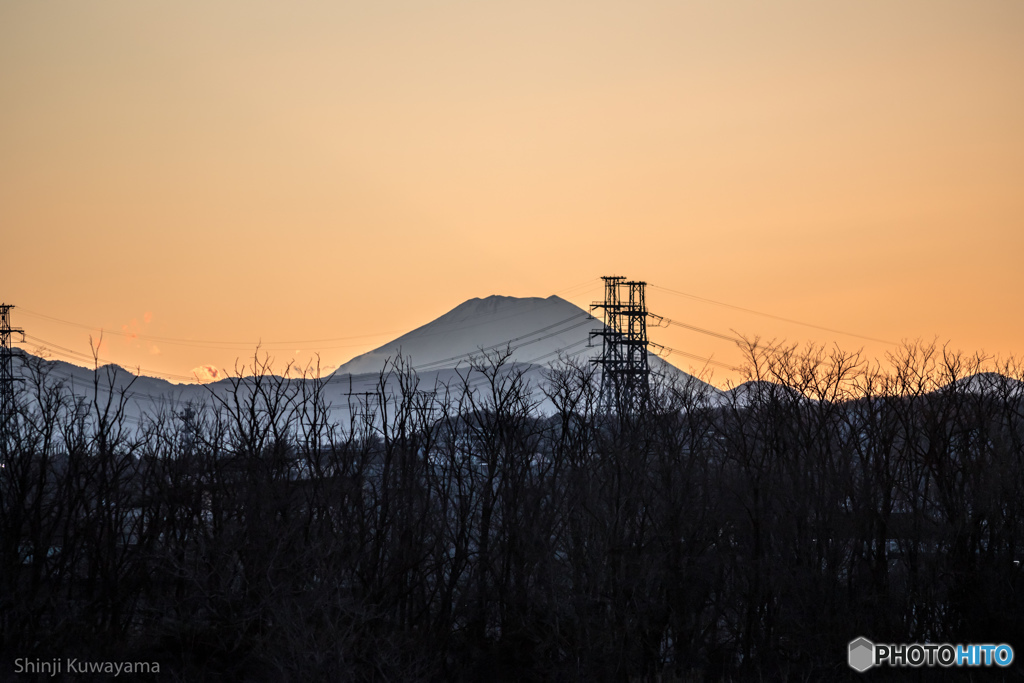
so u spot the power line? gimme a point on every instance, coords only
(497, 347)
(694, 356)
(200, 343)
(697, 329)
(80, 357)
(473, 384)
(557, 352)
(719, 335)
(550, 329)
(86, 357)
(770, 315)
(219, 345)
(587, 285)
(144, 419)
(76, 355)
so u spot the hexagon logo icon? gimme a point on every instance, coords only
(862, 654)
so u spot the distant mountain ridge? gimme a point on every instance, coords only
(536, 332)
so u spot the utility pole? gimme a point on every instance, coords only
(625, 373)
(6, 374)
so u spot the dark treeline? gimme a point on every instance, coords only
(461, 534)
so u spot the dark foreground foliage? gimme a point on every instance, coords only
(461, 535)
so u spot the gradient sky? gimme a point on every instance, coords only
(234, 171)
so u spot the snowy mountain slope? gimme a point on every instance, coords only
(536, 329)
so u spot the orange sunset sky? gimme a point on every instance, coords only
(193, 177)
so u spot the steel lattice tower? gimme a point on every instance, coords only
(6, 371)
(625, 373)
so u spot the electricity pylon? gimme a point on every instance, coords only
(625, 373)
(6, 374)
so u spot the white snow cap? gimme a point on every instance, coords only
(538, 331)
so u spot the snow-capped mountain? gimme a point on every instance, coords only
(536, 332)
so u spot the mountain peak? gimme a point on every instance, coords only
(537, 330)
